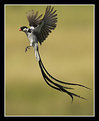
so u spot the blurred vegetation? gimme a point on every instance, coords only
(67, 53)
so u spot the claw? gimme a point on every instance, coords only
(28, 47)
(25, 50)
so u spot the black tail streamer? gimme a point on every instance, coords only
(62, 81)
(48, 79)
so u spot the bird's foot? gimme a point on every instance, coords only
(28, 47)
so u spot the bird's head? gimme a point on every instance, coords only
(23, 28)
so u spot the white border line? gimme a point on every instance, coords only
(5, 59)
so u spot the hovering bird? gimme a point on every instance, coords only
(39, 30)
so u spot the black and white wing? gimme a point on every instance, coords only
(33, 18)
(47, 24)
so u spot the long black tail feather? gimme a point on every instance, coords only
(61, 81)
(57, 86)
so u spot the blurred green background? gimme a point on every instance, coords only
(67, 53)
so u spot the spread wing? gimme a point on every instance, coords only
(47, 24)
(33, 18)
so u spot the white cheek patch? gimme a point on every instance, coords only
(24, 29)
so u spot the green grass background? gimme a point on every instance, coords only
(67, 53)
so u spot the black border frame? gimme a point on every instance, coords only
(2, 3)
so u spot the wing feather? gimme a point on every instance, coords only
(33, 18)
(47, 24)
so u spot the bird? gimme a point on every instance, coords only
(37, 33)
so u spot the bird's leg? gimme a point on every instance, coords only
(28, 47)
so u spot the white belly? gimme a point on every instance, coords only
(32, 38)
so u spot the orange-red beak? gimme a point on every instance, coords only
(20, 29)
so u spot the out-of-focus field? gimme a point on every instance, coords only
(67, 53)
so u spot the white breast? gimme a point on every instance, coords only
(32, 38)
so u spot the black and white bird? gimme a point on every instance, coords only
(37, 33)
(39, 28)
